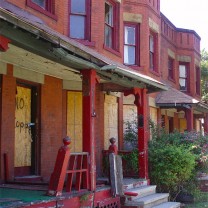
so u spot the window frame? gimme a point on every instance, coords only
(87, 15)
(136, 45)
(187, 78)
(48, 11)
(153, 65)
(198, 80)
(171, 68)
(115, 26)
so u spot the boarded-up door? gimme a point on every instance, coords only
(74, 120)
(26, 137)
(111, 119)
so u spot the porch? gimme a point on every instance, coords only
(35, 195)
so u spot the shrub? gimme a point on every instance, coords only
(170, 166)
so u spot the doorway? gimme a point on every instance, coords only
(27, 144)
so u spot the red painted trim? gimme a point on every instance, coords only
(89, 115)
(206, 123)
(143, 134)
(6, 167)
(49, 11)
(112, 51)
(4, 42)
(190, 119)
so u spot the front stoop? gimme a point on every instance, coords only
(203, 181)
(142, 195)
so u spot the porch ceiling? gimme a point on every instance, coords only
(41, 40)
(30, 61)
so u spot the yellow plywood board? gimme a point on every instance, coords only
(153, 114)
(74, 120)
(23, 136)
(110, 119)
(183, 125)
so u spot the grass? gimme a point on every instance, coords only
(201, 202)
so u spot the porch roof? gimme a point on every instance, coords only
(30, 32)
(175, 98)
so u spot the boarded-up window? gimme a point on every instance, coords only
(111, 119)
(74, 120)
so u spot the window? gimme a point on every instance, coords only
(111, 25)
(198, 91)
(79, 19)
(44, 6)
(153, 51)
(183, 77)
(170, 68)
(131, 45)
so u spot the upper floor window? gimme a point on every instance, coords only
(183, 77)
(153, 51)
(46, 7)
(79, 19)
(198, 84)
(131, 44)
(111, 24)
(171, 68)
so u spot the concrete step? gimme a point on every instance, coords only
(147, 201)
(129, 183)
(168, 205)
(134, 193)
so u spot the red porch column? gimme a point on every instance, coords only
(206, 123)
(143, 133)
(190, 119)
(88, 89)
(4, 43)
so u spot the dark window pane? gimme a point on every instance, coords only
(77, 27)
(130, 35)
(78, 6)
(109, 14)
(108, 36)
(129, 55)
(151, 61)
(151, 43)
(41, 3)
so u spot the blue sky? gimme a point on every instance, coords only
(188, 14)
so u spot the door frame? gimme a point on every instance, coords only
(35, 118)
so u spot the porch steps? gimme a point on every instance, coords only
(141, 195)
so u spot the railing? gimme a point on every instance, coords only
(73, 165)
(77, 171)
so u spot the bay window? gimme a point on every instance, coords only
(183, 77)
(131, 44)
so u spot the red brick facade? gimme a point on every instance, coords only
(181, 44)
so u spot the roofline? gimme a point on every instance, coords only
(89, 58)
(180, 29)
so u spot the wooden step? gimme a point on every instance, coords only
(168, 205)
(134, 193)
(147, 201)
(129, 183)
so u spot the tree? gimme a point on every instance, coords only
(204, 75)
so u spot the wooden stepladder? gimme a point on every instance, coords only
(74, 166)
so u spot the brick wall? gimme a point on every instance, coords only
(51, 123)
(8, 120)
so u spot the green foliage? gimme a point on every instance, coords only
(131, 133)
(131, 160)
(170, 165)
(204, 75)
